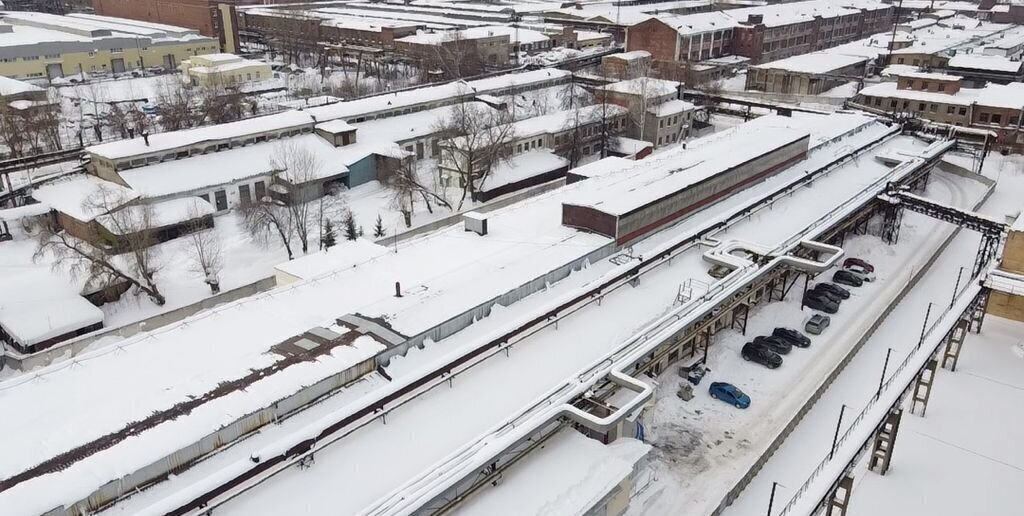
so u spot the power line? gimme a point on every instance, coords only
(972, 452)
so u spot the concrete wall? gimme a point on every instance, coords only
(1007, 306)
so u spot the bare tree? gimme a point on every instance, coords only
(205, 250)
(12, 134)
(178, 104)
(474, 140)
(268, 218)
(122, 252)
(299, 167)
(220, 104)
(406, 185)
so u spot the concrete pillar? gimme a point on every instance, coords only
(923, 386)
(954, 344)
(840, 499)
(885, 439)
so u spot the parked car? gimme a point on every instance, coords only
(858, 262)
(776, 344)
(793, 337)
(864, 274)
(821, 302)
(730, 394)
(845, 277)
(833, 297)
(761, 354)
(817, 324)
(833, 289)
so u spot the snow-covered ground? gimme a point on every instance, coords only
(703, 447)
(970, 420)
(414, 438)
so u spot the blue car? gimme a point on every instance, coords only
(728, 393)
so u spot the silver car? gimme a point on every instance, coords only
(817, 324)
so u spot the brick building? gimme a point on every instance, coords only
(941, 98)
(762, 34)
(213, 18)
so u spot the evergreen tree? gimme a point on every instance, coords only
(378, 229)
(351, 232)
(329, 239)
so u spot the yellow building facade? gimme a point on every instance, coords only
(37, 45)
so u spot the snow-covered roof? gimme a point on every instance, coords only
(10, 86)
(674, 170)
(515, 35)
(815, 62)
(228, 166)
(1010, 96)
(963, 97)
(690, 24)
(985, 62)
(161, 214)
(634, 55)
(442, 93)
(648, 85)
(34, 309)
(928, 76)
(78, 196)
(627, 146)
(603, 167)
(570, 474)
(670, 107)
(20, 212)
(442, 274)
(522, 167)
(163, 142)
(344, 255)
(336, 126)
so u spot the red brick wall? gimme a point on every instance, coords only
(195, 14)
(653, 36)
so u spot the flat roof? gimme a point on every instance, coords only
(985, 62)
(345, 254)
(569, 474)
(9, 86)
(676, 169)
(926, 75)
(963, 97)
(174, 140)
(649, 85)
(442, 275)
(228, 166)
(815, 62)
(523, 167)
(34, 309)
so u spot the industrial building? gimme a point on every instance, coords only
(223, 69)
(1007, 281)
(47, 46)
(215, 19)
(629, 209)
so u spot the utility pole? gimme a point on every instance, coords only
(895, 22)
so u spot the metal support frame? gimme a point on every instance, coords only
(892, 219)
(954, 344)
(986, 251)
(840, 499)
(739, 317)
(923, 386)
(978, 310)
(885, 439)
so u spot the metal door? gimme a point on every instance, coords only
(117, 65)
(54, 70)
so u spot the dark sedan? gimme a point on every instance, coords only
(761, 354)
(776, 344)
(847, 278)
(792, 336)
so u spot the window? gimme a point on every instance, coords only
(892, 103)
(997, 119)
(261, 189)
(950, 110)
(117, 50)
(963, 111)
(942, 86)
(30, 58)
(920, 106)
(932, 107)
(878, 101)
(984, 118)
(248, 76)
(1013, 120)
(924, 85)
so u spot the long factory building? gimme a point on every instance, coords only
(229, 371)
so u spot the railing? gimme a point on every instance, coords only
(969, 290)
